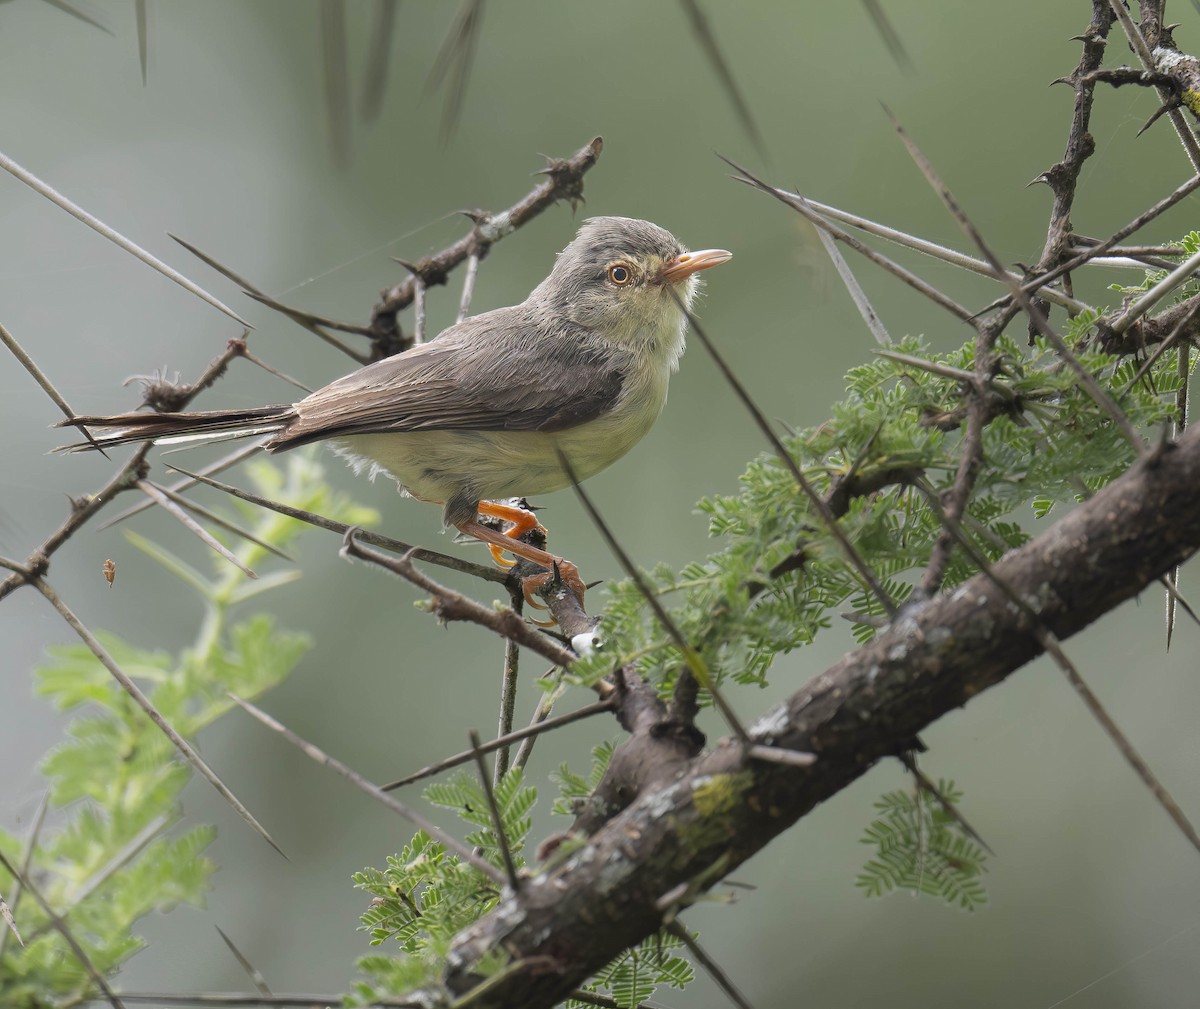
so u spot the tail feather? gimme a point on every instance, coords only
(166, 428)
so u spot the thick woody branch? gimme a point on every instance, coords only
(571, 920)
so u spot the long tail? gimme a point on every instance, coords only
(173, 428)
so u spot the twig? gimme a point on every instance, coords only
(541, 718)
(907, 759)
(1165, 95)
(889, 35)
(255, 975)
(194, 527)
(306, 319)
(377, 793)
(251, 290)
(488, 574)
(454, 60)
(854, 288)
(272, 371)
(508, 690)
(971, 378)
(335, 78)
(564, 182)
(1162, 348)
(711, 967)
(468, 291)
(1036, 316)
(802, 207)
(100, 227)
(39, 376)
(1036, 283)
(489, 794)
(449, 605)
(536, 728)
(942, 253)
(142, 16)
(122, 858)
(418, 299)
(225, 462)
(1153, 296)
(81, 15)
(218, 520)
(82, 509)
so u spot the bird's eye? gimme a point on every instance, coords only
(620, 274)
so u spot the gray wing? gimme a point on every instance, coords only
(500, 371)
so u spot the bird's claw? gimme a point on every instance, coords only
(498, 556)
(564, 572)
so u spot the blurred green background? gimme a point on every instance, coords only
(1094, 894)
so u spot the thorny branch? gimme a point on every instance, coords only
(606, 895)
(662, 760)
(564, 181)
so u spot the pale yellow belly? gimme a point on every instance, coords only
(440, 465)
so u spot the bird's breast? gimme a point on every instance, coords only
(439, 465)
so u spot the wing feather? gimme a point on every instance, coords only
(506, 370)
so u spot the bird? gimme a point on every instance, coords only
(489, 409)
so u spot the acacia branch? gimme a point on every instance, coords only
(564, 181)
(724, 807)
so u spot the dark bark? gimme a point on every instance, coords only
(574, 917)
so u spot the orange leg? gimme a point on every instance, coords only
(567, 570)
(521, 521)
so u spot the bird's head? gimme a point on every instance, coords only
(616, 279)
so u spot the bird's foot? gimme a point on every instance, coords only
(521, 523)
(497, 553)
(564, 573)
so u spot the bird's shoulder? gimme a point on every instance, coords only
(508, 369)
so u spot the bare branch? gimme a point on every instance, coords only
(194, 527)
(564, 182)
(714, 969)
(1036, 315)
(449, 605)
(57, 198)
(488, 574)
(252, 972)
(536, 728)
(941, 654)
(377, 793)
(253, 291)
(489, 793)
(802, 207)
